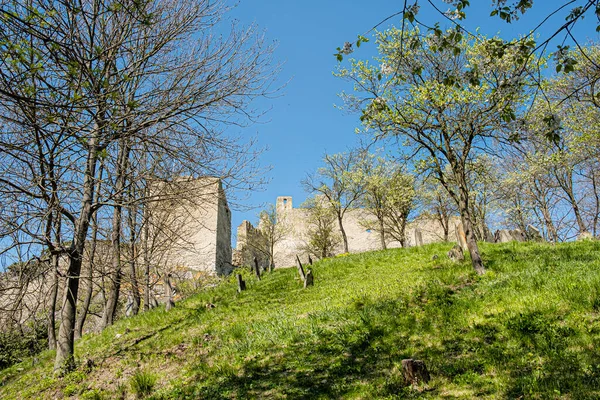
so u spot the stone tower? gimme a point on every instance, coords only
(192, 222)
(284, 204)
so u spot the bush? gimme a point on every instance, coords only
(15, 345)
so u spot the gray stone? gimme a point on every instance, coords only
(585, 236)
(418, 237)
(300, 269)
(507, 235)
(310, 279)
(518, 235)
(129, 306)
(256, 268)
(456, 254)
(534, 234)
(241, 283)
(502, 236)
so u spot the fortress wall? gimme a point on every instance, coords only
(223, 244)
(360, 238)
(248, 237)
(192, 225)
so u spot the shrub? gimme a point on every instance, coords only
(15, 345)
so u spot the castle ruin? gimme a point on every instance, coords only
(191, 225)
(360, 238)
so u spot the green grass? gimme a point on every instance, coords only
(529, 328)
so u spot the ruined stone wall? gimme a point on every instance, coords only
(191, 225)
(249, 241)
(360, 238)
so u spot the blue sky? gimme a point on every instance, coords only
(303, 123)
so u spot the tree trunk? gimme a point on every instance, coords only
(146, 252)
(463, 205)
(168, 293)
(404, 217)
(115, 282)
(135, 289)
(272, 257)
(88, 281)
(567, 186)
(88, 285)
(549, 224)
(55, 265)
(344, 237)
(52, 305)
(382, 234)
(65, 344)
(596, 216)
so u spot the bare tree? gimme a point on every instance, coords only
(271, 230)
(437, 204)
(107, 77)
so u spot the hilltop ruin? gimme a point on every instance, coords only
(360, 238)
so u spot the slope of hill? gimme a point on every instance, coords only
(527, 329)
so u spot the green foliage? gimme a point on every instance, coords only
(322, 233)
(15, 345)
(142, 383)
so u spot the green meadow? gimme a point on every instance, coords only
(527, 329)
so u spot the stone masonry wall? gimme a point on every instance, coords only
(191, 222)
(360, 239)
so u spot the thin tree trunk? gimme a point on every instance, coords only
(168, 293)
(115, 282)
(55, 261)
(88, 283)
(463, 205)
(88, 280)
(52, 306)
(344, 237)
(146, 252)
(549, 224)
(135, 289)
(65, 344)
(596, 203)
(382, 234)
(272, 257)
(567, 186)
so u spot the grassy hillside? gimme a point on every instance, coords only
(529, 328)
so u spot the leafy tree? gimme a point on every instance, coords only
(273, 230)
(389, 196)
(527, 192)
(482, 181)
(337, 184)
(444, 106)
(321, 236)
(568, 14)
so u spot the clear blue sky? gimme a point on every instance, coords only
(303, 123)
